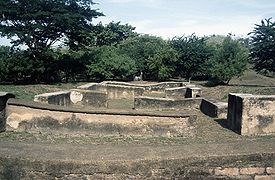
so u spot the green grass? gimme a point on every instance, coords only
(28, 92)
(250, 82)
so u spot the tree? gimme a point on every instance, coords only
(4, 54)
(162, 64)
(229, 59)
(38, 24)
(72, 64)
(112, 33)
(140, 49)
(193, 53)
(107, 62)
(262, 44)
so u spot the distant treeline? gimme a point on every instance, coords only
(88, 52)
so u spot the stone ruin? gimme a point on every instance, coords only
(158, 110)
(174, 95)
(88, 107)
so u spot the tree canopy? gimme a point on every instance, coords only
(262, 44)
(38, 24)
(112, 33)
(141, 48)
(193, 52)
(228, 59)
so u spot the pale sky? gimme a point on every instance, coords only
(169, 18)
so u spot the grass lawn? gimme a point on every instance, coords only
(29, 91)
(250, 82)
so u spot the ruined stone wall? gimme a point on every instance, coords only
(90, 98)
(26, 116)
(119, 91)
(61, 98)
(175, 93)
(151, 87)
(233, 167)
(153, 103)
(214, 109)
(251, 114)
(74, 97)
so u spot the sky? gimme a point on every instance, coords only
(170, 18)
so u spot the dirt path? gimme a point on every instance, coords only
(85, 153)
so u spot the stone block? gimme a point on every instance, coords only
(193, 92)
(270, 170)
(214, 109)
(252, 170)
(264, 177)
(251, 114)
(226, 171)
(176, 93)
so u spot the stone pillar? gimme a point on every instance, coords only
(251, 114)
(193, 92)
(4, 96)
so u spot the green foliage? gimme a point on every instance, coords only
(262, 44)
(112, 34)
(4, 54)
(73, 64)
(140, 49)
(193, 52)
(107, 62)
(162, 64)
(229, 59)
(38, 24)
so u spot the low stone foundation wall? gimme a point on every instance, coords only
(120, 92)
(115, 91)
(193, 92)
(214, 109)
(31, 116)
(175, 93)
(88, 97)
(160, 85)
(61, 98)
(89, 86)
(251, 114)
(221, 167)
(153, 103)
(81, 97)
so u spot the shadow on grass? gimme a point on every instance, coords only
(222, 123)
